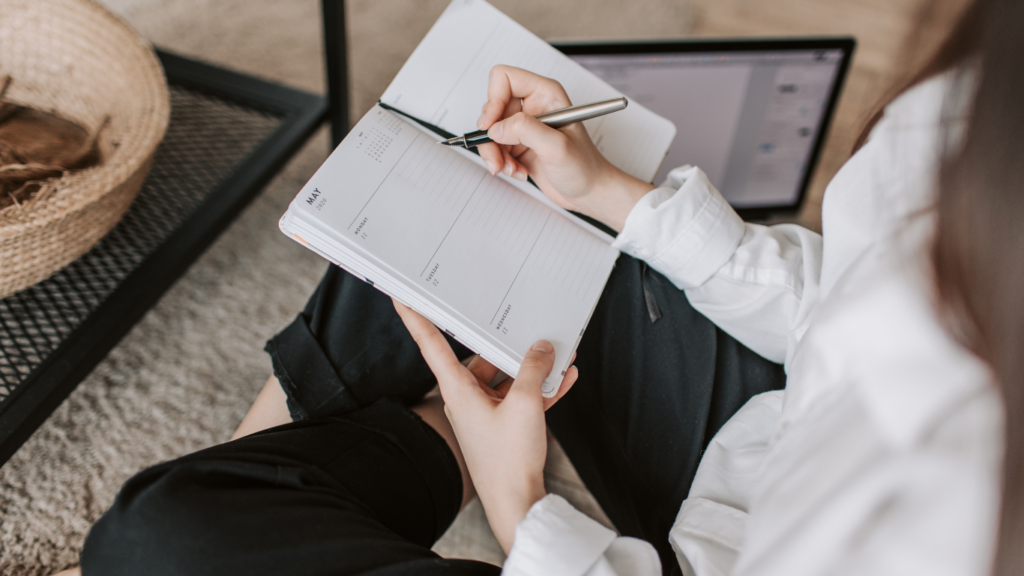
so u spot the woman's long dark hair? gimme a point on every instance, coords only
(978, 252)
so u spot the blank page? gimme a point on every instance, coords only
(444, 83)
(471, 244)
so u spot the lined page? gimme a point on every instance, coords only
(444, 82)
(469, 242)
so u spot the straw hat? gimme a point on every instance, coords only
(75, 59)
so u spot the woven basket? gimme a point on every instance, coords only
(75, 59)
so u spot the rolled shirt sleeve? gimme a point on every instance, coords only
(758, 283)
(558, 540)
(685, 229)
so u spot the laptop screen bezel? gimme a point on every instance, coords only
(845, 44)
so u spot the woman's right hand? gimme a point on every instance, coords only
(564, 163)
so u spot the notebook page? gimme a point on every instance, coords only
(524, 187)
(466, 241)
(444, 82)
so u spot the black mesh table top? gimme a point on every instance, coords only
(206, 139)
(228, 135)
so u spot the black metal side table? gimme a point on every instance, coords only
(229, 134)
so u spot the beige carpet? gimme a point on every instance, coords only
(184, 377)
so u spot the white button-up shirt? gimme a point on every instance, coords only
(882, 455)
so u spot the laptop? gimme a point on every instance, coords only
(752, 114)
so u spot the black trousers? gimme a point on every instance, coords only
(358, 484)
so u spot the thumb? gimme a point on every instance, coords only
(536, 367)
(521, 128)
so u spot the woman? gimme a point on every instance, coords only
(888, 451)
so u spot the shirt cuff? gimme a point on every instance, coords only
(707, 537)
(556, 539)
(685, 229)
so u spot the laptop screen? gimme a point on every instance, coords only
(752, 120)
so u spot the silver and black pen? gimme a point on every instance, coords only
(555, 119)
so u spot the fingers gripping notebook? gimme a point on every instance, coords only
(490, 260)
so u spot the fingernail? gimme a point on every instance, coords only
(480, 122)
(520, 175)
(507, 168)
(543, 346)
(491, 167)
(497, 131)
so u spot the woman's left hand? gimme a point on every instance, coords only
(501, 432)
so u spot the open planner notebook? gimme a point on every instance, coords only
(489, 259)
